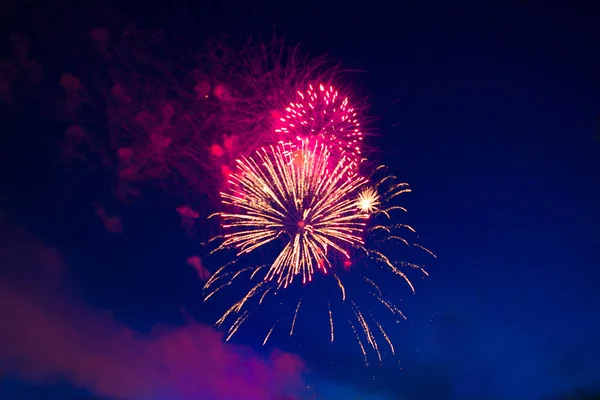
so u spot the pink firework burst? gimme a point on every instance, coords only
(322, 112)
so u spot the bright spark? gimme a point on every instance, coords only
(368, 200)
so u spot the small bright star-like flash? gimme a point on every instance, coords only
(368, 200)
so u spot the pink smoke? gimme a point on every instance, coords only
(47, 336)
(112, 223)
(196, 262)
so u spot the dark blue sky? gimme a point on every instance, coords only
(494, 122)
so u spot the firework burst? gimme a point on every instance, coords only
(271, 194)
(300, 193)
(322, 112)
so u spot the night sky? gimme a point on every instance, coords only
(491, 113)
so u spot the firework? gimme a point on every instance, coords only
(357, 287)
(298, 192)
(322, 112)
(368, 200)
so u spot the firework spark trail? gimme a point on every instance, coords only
(341, 286)
(236, 325)
(256, 271)
(401, 239)
(415, 266)
(386, 261)
(387, 339)
(323, 113)
(249, 295)
(295, 316)
(425, 250)
(299, 192)
(390, 306)
(216, 290)
(382, 227)
(221, 274)
(410, 228)
(237, 307)
(269, 334)
(330, 320)
(262, 298)
(367, 330)
(370, 282)
(360, 343)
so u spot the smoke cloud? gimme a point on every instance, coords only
(48, 336)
